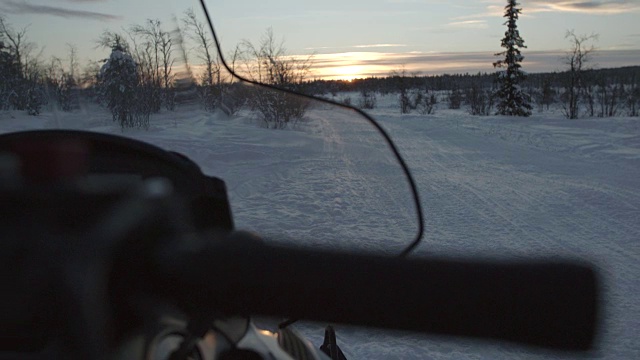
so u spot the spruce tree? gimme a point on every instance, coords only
(118, 80)
(511, 99)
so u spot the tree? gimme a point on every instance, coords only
(23, 88)
(368, 99)
(167, 61)
(155, 59)
(427, 103)
(118, 80)
(511, 99)
(633, 97)
(71, 79)
(401, 82)
(547, 93)
(211, 81)
(55, 82)
(480, 100)
(10, 77)
(73, 61)
(455, 97)
(576, 59)
(110, 40)
(61, 84)
(268, 63)
(14, 41)
(609, 96)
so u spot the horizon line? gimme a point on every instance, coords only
(352, 65)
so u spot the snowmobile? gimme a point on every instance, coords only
(117, 248)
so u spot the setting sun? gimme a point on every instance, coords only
(348, 72)
(348, 65)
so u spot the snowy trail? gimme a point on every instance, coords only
(327, 183)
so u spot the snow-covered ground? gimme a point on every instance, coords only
(490, 186)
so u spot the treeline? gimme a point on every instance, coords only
(138, 79)
(600, 92)
(628, 75)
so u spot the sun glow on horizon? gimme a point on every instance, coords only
(349, 72)
(348, 65)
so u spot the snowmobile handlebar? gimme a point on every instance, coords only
(552, 304)
(540, 303)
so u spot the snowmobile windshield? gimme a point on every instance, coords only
(297, 169)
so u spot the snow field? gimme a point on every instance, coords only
(490, 187)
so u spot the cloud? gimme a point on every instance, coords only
(14, 7)
(469, 24)
(321, 47)
(589, 7)
(595, 7)
(350, 47)
(380, 64)
(378, 45)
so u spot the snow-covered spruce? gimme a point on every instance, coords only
(511, 99)
(119, 88)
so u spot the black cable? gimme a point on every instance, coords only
(387, 138)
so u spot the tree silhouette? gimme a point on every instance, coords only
(511, 99)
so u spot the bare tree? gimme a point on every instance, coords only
(157, 54)
(73, 61)
(110, 39)
(633, 98)
(68, 92)
(14, 40)
(167, 62)
(150, 33)
(455, 97)
(547, 92)
(148, 83)
(576, 59)
(426, 103)
(234, 93)
(88, 76)
(269, 63)
(234, 57)
(26, 90)
(57, 83)
(10, 69)
(480, 100)
(609, 96)
(198, 32)
(402, 86)
(368, 99)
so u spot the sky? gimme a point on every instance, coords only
(359, 38)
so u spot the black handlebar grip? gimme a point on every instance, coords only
(541, 303)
